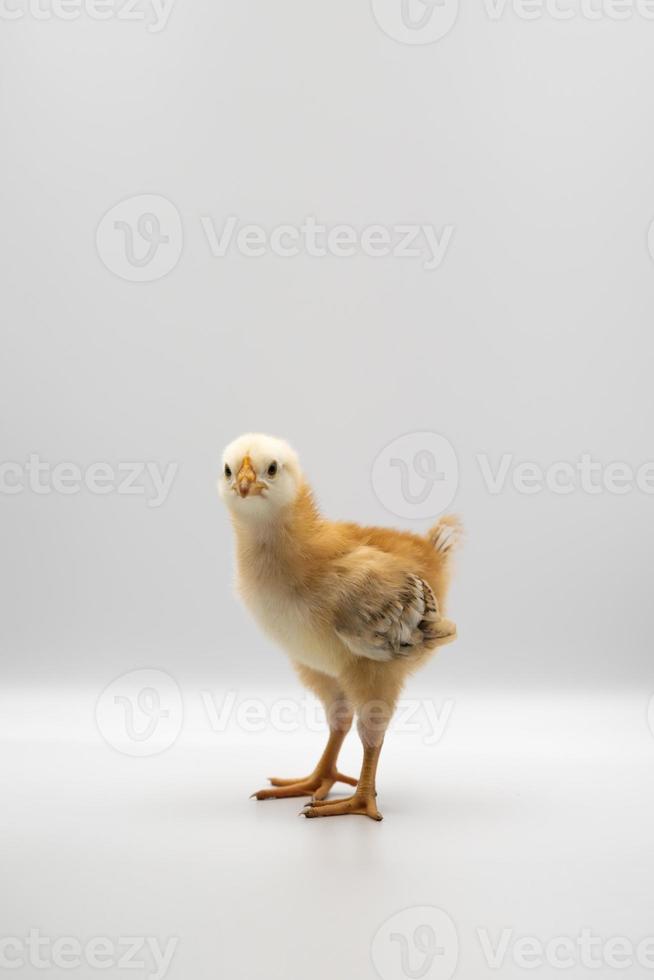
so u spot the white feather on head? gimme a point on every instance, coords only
(255, 455)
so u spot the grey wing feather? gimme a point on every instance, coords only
(383, 621)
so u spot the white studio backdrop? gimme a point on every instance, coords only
(414, 238)
(352, 231)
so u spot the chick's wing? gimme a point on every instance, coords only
(380, 608)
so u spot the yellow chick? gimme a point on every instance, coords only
(356, 608)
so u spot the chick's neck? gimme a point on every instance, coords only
(288, 536)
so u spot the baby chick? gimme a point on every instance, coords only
(356, 608)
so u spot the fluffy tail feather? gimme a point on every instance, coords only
(446, 535)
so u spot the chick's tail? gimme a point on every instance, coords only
(447, 535)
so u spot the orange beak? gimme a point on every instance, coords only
(246, 479)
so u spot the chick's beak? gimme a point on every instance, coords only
(246, 477)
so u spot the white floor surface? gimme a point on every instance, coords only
(529, 820)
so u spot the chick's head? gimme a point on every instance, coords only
(260, 477)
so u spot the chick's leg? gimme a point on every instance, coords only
(374, 715)
(339, 716)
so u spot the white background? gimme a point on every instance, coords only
(532, 140)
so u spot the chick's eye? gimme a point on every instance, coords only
(228, 472)
(272, 469)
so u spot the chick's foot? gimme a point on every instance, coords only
(317, 785)
(363, 804)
